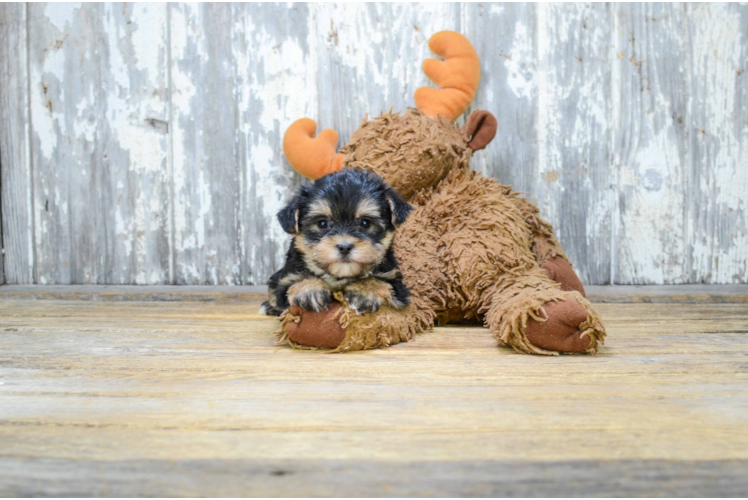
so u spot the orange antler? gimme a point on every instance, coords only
(311, 156)
(457, 76)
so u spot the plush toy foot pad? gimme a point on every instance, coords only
(561, 331)
(316, 329)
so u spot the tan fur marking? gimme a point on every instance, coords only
(300, 243)
(308, 290)
(320, 207)
(289, 279)
(371, 286)
(392, 211)
(387, 240)
(368, 208)
(389, 275)
(373, 289)
(336, 283)
(368, 253)
(364, 257)
(312, 266)
(307, 285)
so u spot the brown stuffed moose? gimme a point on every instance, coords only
(472, 251)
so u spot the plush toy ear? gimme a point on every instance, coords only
(398, 207)
(480, 128)
(289, 217)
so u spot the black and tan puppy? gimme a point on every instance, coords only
(342, 227)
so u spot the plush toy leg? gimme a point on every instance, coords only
(339, 329)
(559, 270)
(533, 315)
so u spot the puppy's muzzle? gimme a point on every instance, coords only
(344, 248)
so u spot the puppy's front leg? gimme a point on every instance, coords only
(369, 294)
(312, 294)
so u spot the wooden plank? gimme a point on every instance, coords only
(504, 37)
(236, 71)
(206, 180)
(572, 183)
(198, 293)
(717, 187)
(203, 392)
(621, 294)
(100, 123)
(2, 248)
(651, 84)
(15, 160)
(274, 86)
(664, 294)
(369, 57)
(56, 477)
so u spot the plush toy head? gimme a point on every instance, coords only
(412, 150)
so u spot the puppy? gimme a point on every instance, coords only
(342, 227)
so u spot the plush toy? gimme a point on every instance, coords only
(472, 251)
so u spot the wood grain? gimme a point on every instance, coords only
(168, 390)
(16, 209)
(717, 187)
(573, 183)
(372, 54)
(148, 150)
(651, 86)
(238, 82)
(99, 110)
(503, 36)
(289, 478)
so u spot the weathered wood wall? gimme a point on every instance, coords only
(141, 142)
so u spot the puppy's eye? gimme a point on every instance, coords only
(323, 224)
(365, 223)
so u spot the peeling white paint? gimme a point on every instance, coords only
(720, 48)
(519, 63)
(61, 15)
(663, 200)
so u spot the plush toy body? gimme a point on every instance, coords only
(472, 251)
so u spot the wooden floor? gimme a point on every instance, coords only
(120, 397)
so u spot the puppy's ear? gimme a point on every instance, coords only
(289, 217)
(398, 207)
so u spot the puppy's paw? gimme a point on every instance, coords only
(363, 304)
(311, 294)
(267, 309)
(316, 300)
(368, 295)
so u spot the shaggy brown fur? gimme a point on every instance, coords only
(471, 251)
(409, 150)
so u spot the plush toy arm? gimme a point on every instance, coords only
(311, 156)
(339, 327)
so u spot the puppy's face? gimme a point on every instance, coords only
(343, 224)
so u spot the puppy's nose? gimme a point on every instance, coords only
(344, 248)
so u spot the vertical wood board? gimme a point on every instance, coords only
(99, 111)
(15, 159)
